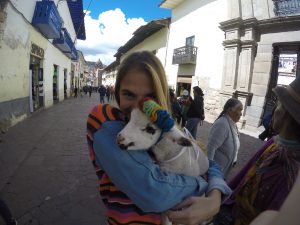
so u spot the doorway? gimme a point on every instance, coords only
(183, 83)
(37, 92)
(55, 84)
(65, 83)
(285, 69)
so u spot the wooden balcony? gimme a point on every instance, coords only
(286, 7)
(47, 19)
(185, 55)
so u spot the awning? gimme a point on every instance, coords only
(187, 80)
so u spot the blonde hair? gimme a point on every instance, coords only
(147, 62)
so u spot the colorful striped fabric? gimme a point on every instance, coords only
(120, 209)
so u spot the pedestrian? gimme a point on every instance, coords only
(112, 92)
(102, 92)
(267, 179)
(176, 109)
(269, 132)
(90, 89)
(185, 102)
(108, 93)
(75, 92)
(85, 89)
(132, 185)
(223, 139)
(195, 113)
(80, 91)
(6, 214)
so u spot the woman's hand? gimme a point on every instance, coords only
(195, 210)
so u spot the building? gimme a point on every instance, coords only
(234, 48)
(38, 54)
(194, 49)
(262, 50)
(152, 36)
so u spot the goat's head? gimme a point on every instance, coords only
(146, 126)
(139, 134)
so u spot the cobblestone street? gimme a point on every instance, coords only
(46, 177)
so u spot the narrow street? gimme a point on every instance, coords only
(46, 177)
(45, 173)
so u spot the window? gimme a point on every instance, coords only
(189, 41)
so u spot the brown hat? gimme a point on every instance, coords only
(290, 98)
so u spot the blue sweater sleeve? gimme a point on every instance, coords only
(135, 173)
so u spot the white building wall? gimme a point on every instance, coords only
(199, 19)
(156, 42)
(54, 57)
(16, 36)
(14, 54)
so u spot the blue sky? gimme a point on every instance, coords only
(147, 9)
(110, 24)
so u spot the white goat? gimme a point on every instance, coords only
(174, 150)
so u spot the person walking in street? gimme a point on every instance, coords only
(185, 102)
(267, 179)
(90, 89)
(195, 113)
(75, 92)
(176, 109)
(108, 93)
(102, 92)
(223, 139)
(120, 171)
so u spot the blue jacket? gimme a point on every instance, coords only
(136, 174)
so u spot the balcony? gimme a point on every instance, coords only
(286, 7)
(64, 42)
(47, 19)
(185, 55)
(72, 54)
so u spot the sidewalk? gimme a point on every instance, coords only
(46, 176)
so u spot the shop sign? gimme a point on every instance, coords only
(37, 51)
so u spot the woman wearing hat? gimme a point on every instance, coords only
(266, 180)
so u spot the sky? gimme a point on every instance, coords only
(109, 24)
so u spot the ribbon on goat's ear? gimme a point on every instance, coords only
(156, 114)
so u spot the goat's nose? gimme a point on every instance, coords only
(120, 139)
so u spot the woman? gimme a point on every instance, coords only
(133, 188)
(288, 213)
(223, 139)
(175, 106)
(266, 180)
(195, 113)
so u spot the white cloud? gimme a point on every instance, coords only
(106, 34)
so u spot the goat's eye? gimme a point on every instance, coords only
(149, 129)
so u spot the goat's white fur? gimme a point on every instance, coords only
(134, 136)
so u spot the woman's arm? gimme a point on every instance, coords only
(135, 173)
(195, 210)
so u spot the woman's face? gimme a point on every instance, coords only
(236, 113)
(135, 86)
(278, 119)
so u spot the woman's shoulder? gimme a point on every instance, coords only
(102, 113)
(222, 121)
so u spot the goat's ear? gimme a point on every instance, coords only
(184, 141)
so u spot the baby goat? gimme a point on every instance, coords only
(174, 150)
